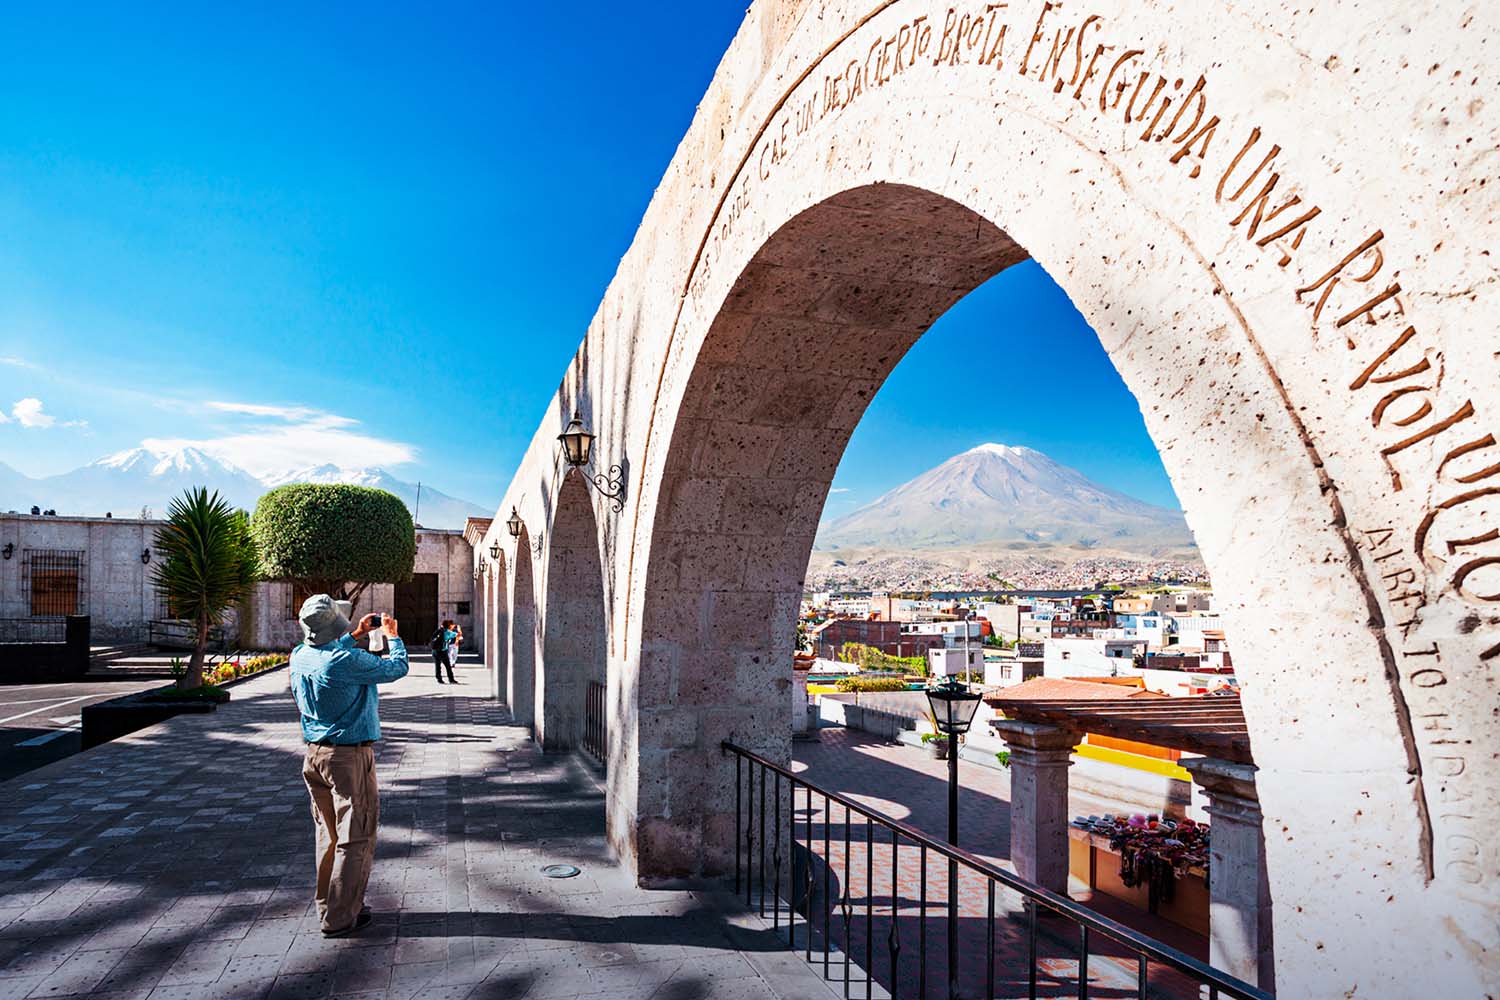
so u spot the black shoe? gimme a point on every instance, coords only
(440, 680)
(360, 923)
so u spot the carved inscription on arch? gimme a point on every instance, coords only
(1434, 446)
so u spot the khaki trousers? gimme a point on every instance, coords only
(346, 810)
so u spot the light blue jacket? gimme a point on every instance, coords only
(334, 685)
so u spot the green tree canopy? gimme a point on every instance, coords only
(208, 565)
(334, 539)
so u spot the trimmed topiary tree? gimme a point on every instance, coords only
(334, 539)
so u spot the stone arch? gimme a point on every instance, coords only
(497, 624)
(1291, 297)
(520, 676)
(804, 338)
(574, 626)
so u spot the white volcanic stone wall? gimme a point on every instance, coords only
(119, 595)
(1280, 221)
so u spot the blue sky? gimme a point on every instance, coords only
(298, 234)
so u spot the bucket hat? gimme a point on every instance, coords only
(324, 619)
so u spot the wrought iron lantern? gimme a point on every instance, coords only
(495, 550)
(578, 449)
(513, 524)
(145, 555)
(578, 444)
(9, 550)
(953, 706)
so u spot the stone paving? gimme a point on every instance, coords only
(177, 863)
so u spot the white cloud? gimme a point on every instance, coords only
(839, 489)
(15, 362)
(28, 413)
(297, 414)
(286, 438)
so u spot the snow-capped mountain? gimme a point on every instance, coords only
(1012, 497)
(128, 482)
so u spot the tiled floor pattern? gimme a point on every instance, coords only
(177, 863)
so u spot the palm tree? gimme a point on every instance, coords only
(209, 565)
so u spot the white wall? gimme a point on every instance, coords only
(955, 660)
(118, 594)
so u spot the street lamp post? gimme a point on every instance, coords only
(953, 706)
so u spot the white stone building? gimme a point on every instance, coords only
(96, 566)
(442, 586)
(51, 567)
(1090, 657)
(949, 660)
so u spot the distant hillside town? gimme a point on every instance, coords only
(1167, 640)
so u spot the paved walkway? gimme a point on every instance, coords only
(177, 863)
(40, 723)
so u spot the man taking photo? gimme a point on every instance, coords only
(334, 683)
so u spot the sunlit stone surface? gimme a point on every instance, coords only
(1277, 219)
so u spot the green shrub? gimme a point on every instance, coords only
(930, 737)
(208, 565)
(1003, 756)
(870, 684)
(872, 658)
(334, 539)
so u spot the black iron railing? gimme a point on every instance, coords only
(177, 634)
(33, 630)
(826, 858)
(593, 721)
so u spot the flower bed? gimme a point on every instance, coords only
(108, 720)
(231, 670)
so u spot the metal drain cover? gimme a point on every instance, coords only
(560, 871)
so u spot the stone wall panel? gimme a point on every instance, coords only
(1311, 445)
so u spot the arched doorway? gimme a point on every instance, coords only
(805, 337)
(574, 635)
(497, 625)
(520, 678)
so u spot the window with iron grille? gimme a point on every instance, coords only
(296, 594)
(57, 582)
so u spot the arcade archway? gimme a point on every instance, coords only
(520, 678)
(574, 637)
(1292, 341)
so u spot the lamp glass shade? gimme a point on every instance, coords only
(577, 443)
(513, 524)
(495, 550)
(953, 706)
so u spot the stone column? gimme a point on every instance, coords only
(1040, 756)
(799, 702)
(1239, 898)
